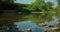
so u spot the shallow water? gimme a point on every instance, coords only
(35, 28)
(53, 21)
(28, 25)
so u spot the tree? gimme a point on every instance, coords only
(57, 9)
(58, 2)
(47, 6)
(36, 6)
(7, 1)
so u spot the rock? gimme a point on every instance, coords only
(55, 28)
(50, 26)
(29, 30)
(45, 31)
(58, 23)
(22, 30)
(42, 24)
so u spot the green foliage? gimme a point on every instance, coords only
(37, 6)
(48, 6)
(57, 9)
(40, 5)
(7, 5)
(10, 5)
(58, 2)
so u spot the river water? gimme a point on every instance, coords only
(28, 25)
(31, 25)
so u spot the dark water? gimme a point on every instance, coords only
(35, 28)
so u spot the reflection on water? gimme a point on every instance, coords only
(29, 24)
(53, 21)
(35, 28)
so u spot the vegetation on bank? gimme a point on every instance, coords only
(37, 6)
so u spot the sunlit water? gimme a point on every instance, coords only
(28, 25)
(31, 25)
